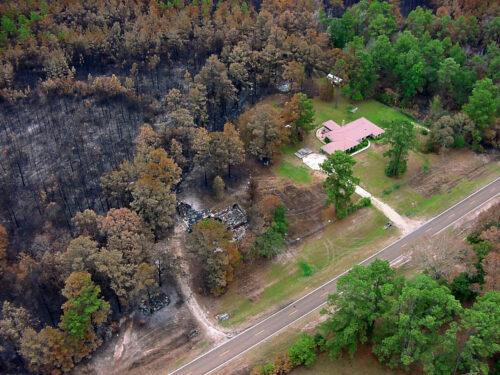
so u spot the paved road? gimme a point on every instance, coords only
(215, 359)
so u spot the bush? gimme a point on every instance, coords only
(306, 269)
(358, 147)
(461, 287)
(459, 141)
(424, 131)
(391, 189)
(272, 241)
(425, 167)
(364, 202)
(303, 351)
(269, 244)
(280, 221)
(267, 369)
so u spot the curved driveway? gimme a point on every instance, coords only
(216, 358)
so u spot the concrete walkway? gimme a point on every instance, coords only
(404, 224)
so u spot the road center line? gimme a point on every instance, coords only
(258, 333)
(293, 312)
(487, 188)
(223, 354)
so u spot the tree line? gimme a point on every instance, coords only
(447, 62)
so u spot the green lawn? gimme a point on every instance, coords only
(298, 174)
(339, 246)
(373, 110)
(406, 199)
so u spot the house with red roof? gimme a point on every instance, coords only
(344, 138)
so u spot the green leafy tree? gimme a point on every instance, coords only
(383, 56)
(305, 120)
(299, 113)
(362, 74)
(340, 182)
(483, 104)
(448, 76)
(419, 20)
(341, 30)
(481, 324)
(303, 351)
(433, 54)
(409, 67)
(83, 308)
(361, 298)
(410, 329)
(272, 241)
(401, 137)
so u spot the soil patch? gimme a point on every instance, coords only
(449, 170)
(307, 211)
(149, 345)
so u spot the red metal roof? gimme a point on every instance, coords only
(345, 137)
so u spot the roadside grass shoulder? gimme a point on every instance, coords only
(403, 196)
(363, 361)
(337, 248)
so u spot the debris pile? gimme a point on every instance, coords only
(234, 217)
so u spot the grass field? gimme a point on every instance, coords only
(298, 174)
(373, 110)
(337, 248)
(456, 170)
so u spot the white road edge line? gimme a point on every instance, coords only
(264, 339)
(473, 209)
(326, 283)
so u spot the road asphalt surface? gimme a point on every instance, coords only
(215, 359)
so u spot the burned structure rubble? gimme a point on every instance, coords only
(234, 217)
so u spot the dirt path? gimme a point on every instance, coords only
(211, 329)
(405, 224)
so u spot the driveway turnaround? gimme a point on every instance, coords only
(215, 359)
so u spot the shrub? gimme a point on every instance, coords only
(358, 147)
(269, 244)
(267, 369)
(280, 221)
(461, 287)
(364, 202)
(425, 167)
(459, 141)
(306, 269)
(424, 131)
(272, 241)
(391, 189)
(303, 351)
